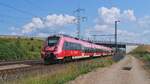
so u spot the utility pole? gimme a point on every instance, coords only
(116, 45)
(79, 19)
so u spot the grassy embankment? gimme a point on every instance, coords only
(70, 72)
(19, 48)
(142, 52)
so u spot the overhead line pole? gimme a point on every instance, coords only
(78, 22)
(79, 19)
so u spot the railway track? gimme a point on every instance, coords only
(33, 67)
(20, 62)
(11, 70)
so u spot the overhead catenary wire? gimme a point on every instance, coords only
(16, 9)
(6, 19)
(12, 16)
(34, 5)
(110, 3)
(3, 21)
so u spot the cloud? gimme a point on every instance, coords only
(103, 28)
(12, 28)
(127, 36)
(42, 34)
(144, 22)
(109, 15)
(59, 20)
(36, 23)
(146, 32)
(128, 15)
(105, 23)
(50, 21)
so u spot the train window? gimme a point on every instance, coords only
(52, 41)
(71, 46)
(87, 50)
(93, 50)
(66, 46)
(99, 50)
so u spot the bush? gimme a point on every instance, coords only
(19, 49)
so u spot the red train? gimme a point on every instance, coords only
(62, 47)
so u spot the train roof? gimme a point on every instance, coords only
(63, 35)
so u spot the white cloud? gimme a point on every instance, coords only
(126, 33)
(144, 22)
(59, 20)
(34, 24)
(105, 23)
(12, 28)
(13, 33)
(109, 15)
(51, 21)
(103, 28)
(42, 34)
(146, 32)
(123, 35)
(128, 15)
(127, 36)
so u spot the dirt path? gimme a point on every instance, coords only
(127, 71)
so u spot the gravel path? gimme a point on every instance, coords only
(127, 71)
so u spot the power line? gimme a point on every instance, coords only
(104, 35)
(19, 10)
(109, 3)
(5, 22)
(95, 35)
(12, 17)
(34, 5)
(6, 19)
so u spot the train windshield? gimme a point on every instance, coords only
(53, 41)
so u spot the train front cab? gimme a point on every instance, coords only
(49, 49)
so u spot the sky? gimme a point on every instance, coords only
(46, 17)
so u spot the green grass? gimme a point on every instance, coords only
(19, 48)
(66, 74)
(142, 53)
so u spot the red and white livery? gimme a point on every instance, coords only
(60, 47)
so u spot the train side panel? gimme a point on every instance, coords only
(66, 52)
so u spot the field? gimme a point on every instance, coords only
(19, 48)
